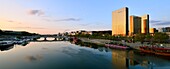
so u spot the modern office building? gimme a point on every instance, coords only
(120, 22)
(134, 25)
(145, 24)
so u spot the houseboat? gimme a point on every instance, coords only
(6, 43)
(156, 50)
(117, 46)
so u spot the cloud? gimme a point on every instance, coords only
(34, 58)
(85, 24)
(154, 21)
(36, 12)
(159, 22)
(29, 28)
(11, 21)
(69, 19)
(59, 20)
(163, 23)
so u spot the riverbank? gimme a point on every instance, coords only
(103, 41)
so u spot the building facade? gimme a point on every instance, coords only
(152, 30)
(164, 29)
(120, 22)
(145, 24)
(134, 25)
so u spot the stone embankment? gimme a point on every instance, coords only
(103, 41)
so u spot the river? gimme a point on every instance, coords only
(64, 55)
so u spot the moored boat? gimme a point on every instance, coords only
(75, 40)
(156, 50)
(6, 43)
(117, 46)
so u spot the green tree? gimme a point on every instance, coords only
(148, 37)
(1, 32)
(160, 37)
(140, 37)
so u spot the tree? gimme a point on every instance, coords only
(140, 37)
(148, 37)
(1, 32)
(160, 37)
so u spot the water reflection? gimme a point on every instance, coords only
(119, 59)
(25, 43)
(34, 58)
(132, 59)
(7, 48)
(45, 48)
(64, 55)
(101, 48)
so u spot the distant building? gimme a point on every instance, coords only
(167, 29)
(72, 33)
(152, 30)
(161, 30)
(145, 24)
(164, 29)
(134, 25)
(120, 22)
(106, 32)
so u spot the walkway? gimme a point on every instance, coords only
(103, 41)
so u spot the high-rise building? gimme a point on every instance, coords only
(145, 24)
(134, 25)
(120, 22)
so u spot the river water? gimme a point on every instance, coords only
(64, 55)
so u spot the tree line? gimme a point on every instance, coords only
(152, 38)
(20, 33)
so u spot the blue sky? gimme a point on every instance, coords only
(53, 16)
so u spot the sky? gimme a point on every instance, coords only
(54, 16)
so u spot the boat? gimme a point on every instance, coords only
(75, 40)
(156, 50)
(6, 43)
(21, 41)
(117, 46)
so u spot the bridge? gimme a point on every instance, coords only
(56, 37)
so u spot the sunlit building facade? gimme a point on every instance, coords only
(119, 59)
(134, 25)
(145, 24)
(120, 22)
(152, 30)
